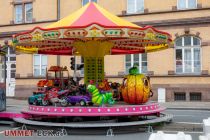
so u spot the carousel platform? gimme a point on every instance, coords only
(28, 115)
(97, 124)
(13, 112)
(115, 110)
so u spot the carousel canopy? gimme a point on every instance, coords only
(91, 31)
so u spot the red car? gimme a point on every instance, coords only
(54, 96)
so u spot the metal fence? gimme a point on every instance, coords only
(195, 96)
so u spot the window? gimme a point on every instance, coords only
(28, 12)
(23, 13)
(188, 55)
(12, 73)
(195, 96)
(40, 65)
(18, 14)
(138, 59)
(187, 4)
(135, 6)
(180, 96)
(11, 56)
(84, 2)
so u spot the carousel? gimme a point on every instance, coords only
(92, 32)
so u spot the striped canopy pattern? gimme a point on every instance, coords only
(92, 26)
(89, 14)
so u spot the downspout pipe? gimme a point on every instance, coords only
(58, 18)
(58, 10)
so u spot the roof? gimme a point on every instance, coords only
(91, 31)
(89, 14)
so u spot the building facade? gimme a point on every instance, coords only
(180, 73)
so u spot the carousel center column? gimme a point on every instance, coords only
(93, 52)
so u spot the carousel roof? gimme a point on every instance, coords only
(91, 27)
(89, 14)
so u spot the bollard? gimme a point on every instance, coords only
(150, 129)
(64, 131)
(204, 137)
(180, 136)
(110, 132)
(162, 136)
(24, 127)
(206, 126)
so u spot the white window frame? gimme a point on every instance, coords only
(40, 65)
(89, 1)
(25, 16)
(23, 5)
(15, 17)
(191, 47)
(9, 55)
(136, 7)
(187, 5)
(132, 62)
